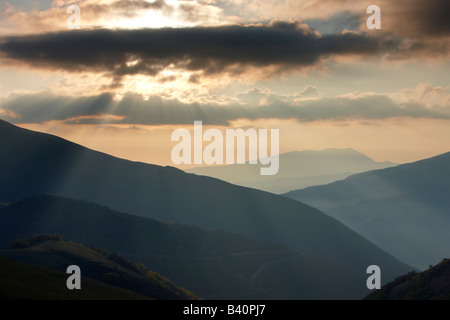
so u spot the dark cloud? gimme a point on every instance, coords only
(133, 109)
(206, 49)
(416, 18)
(424, 26)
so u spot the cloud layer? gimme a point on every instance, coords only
(305, 106)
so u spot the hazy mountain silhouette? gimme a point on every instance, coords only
(432, 284)
(37, 163)
(298, 169)
(56, 254)
(405, 209)
(212, 263)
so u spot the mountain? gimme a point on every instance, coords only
(432, 284)
(405, 209)
(36, 163)
(53, 253)
(20, 281)
(212, 263)
(298, 169)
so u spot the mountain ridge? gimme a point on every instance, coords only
(298, 169)
(42, 164)
(212, 263)
(398, 208)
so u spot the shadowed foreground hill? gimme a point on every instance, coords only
(53, 253)
(212, 263)
(27, 282)
(405, 209)
(432, 284)
(35, 163)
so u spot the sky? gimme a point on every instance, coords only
(137, 70)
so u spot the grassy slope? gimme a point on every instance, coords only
(23, 281)
(432, 284)
(96, 265)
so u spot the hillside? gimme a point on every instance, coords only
(54, 253)
(404, 210)
(298, 169)
(37, 163)
(20, 281)
(212, 263)
(432, 284)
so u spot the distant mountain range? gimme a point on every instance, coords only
(432, 284)
(53, 253)
(35, 163)
(298, 169)
(405, 209)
